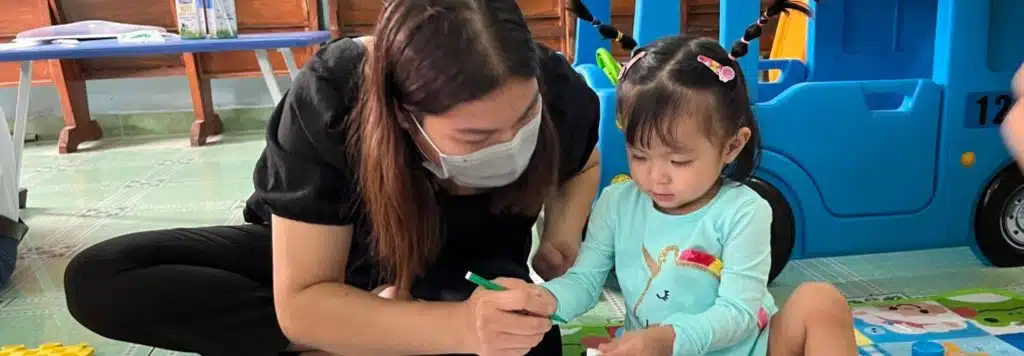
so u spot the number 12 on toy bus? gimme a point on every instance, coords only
(987, 109)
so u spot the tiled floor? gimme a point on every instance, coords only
(140, 184)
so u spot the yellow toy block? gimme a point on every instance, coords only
(48, 349)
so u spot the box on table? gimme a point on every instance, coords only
(191, 19)
(221, 19)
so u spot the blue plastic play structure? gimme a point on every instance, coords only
(886, 139)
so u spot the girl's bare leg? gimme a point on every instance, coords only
(814, 321)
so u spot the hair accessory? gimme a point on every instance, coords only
(725, 73)
(761, 21)
(607, 31)
(635, 58)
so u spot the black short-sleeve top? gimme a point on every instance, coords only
(304, 173)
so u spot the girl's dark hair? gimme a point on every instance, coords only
(607, 31)
(665, 82)
(426, 57)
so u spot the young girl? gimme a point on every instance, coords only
(689, 242)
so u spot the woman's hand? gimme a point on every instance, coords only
(509, 322)
(654, 341)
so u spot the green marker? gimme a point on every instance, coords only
(491, 286)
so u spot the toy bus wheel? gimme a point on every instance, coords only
(999, 220)
(783, 225)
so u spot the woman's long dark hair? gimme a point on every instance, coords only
(428, 56)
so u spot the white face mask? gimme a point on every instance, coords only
(492, 166)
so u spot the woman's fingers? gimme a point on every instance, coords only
(502, 328)
(524, 297)
(516, 323)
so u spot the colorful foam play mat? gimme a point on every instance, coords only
(597, 326)
(972, 322)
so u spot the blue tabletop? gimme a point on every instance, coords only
(112, 48)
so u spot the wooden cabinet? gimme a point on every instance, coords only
(253, 16)
(548, 20)
(19, 16)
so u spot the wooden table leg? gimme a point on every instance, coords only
(207, 121)
(67, 77)
(78, 124)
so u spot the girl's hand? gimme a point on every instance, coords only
(509, 322)
(654, 341)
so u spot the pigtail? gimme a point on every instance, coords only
(778, 7)
(607, 32)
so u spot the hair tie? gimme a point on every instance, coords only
(629, 64)
(761, 21)
(724, 73)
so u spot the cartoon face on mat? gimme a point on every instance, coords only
(693, 269)
(910, 318)
(915, 310)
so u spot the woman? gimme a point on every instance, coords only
(405, 159)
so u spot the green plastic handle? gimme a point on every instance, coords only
(608, 65)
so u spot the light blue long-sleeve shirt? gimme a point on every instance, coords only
(704, 273)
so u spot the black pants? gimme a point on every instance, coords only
(202, 290)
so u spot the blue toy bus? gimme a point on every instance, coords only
(886, 139)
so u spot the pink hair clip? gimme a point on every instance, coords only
(630, 63)
(725, 73)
